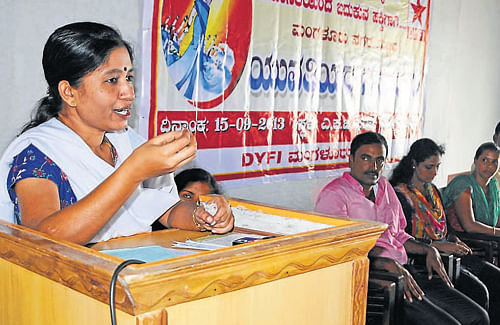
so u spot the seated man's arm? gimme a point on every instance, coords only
(411, 288)
(433, 260)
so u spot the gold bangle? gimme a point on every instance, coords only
(200, 227)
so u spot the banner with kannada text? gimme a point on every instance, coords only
(276, 89)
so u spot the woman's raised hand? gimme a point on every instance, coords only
(163, 154)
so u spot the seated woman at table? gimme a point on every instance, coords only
(76, 171)
(426, 221)
(191, 183)
(471, 200)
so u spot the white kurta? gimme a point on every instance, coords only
(86, 171)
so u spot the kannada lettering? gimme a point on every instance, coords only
(334, 124)
(390, 47)
(280, 74)
(177, 125)
(324, 34)
(353, 11)
(252, 129)
(384, 19)
(331, 35)
(317, 5)
(318, 154)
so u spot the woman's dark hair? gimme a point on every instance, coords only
(420, 150)
(193, 175)
(487, 146)
(368, 138)
(71, 52)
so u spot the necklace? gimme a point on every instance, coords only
(112, 149)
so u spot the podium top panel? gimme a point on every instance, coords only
(325, 241)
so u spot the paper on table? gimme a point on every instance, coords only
(227, 239)
(213, 241)
(272, 223)
(191, 244)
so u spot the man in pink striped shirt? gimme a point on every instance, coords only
(363, 193)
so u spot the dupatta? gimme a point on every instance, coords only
(428, 218)
(486, 209)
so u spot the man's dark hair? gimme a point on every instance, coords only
(497, 128)
(368, 138)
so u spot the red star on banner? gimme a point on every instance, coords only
(418, 9)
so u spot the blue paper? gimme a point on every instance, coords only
(147, 253)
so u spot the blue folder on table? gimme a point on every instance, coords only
(147, 253)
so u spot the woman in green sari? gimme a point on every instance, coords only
(472, 200)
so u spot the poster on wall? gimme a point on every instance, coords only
(276, 89)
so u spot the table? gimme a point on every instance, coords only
(314, 277)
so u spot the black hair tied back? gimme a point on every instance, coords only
(71, 52)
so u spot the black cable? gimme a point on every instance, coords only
(113, 284)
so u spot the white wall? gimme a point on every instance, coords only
(462, 80)
(24, 28)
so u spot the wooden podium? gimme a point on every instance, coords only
(313, 277)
